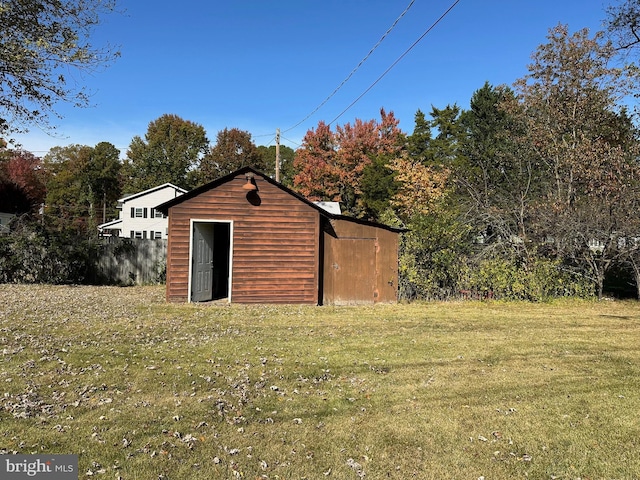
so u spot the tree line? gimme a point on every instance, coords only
(81, 184)
(530, 192)
(60, 199)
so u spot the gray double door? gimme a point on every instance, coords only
(210, 261)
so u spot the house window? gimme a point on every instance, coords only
(138, 212)
(155, 235)
(157, 213)
(138, 234)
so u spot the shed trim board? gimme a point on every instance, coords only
(193, 225)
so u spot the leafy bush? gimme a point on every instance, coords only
(537, 280)
(432, 257)
(34, 252)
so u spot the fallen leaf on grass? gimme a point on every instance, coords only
(356, 467)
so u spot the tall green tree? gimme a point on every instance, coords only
(498, 178)
(379, 186)
(433, 250)
(444, 148)
(233, 149)
(287, 154)
(69, 201)
(104, 179)
(170, 152)
(83, 185)
(41, 42)
(419, 142)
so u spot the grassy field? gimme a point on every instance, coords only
(140, 389)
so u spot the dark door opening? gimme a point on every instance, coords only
(210, 261)
(222, 235)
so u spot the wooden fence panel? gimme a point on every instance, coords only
(132, 261)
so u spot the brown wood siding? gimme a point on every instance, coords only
(360, 263)
(387, 266)
(275, 243)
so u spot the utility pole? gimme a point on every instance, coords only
(277, 154)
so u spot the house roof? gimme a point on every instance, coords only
(151, 190)
(110, 225)
(164, 207)
(332, 207)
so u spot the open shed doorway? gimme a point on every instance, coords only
(210, 261)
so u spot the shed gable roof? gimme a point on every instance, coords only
(164, 207)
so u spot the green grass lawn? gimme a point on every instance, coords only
(141, 389)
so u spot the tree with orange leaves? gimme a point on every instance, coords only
(24, 171)
(330, 164)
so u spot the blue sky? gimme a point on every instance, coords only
(261, 65)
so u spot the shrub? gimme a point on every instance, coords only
(33, 252)
(432, 257)
(537, 280)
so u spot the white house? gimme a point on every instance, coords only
(138, 216)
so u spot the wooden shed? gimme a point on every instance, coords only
(246, 238)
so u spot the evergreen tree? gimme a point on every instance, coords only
(433, 250)
(444, 148)
(419, 142)
(498, 179)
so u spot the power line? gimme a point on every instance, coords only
(397, 61)
(355, 69)
(291, 141)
